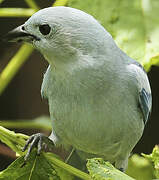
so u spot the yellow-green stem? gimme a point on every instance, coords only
(13, 66)
(32, 4)
(20, 124)
(60, 3)
(1, 1)
(16, 12)
(67, 167)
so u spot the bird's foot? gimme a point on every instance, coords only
(121, 169)
(37, 140)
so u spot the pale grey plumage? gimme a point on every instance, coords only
(98, 97)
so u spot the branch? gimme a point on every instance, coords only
(16, 12)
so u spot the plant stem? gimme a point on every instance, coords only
(11, 134)
(1, 1)
(14, 140)
(32, 4)
(60, 3)
(16, 12)
(25, 124)
(14, 65)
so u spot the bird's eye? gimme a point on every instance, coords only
(44, 29)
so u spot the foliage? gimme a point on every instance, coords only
(140, 168)
(99, 169)
(134, 26)
(37, 168)
(45, 164)
(154, 158)
(13, 140)
(50, 165)
(131, 23)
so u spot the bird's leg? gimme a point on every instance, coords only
(122, 163)
(37, 140)
(69, 156)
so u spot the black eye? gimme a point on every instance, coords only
(44, 29)
(23, 28)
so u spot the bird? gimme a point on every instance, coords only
(99, 98)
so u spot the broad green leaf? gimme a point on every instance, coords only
(15, 141)
(154, 158)
(36, 168)
(140, 168)
(133, 24)
(101, 170)
(42, 122)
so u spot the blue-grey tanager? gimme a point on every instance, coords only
(99, 98)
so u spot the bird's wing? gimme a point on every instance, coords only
(143, 86)
(145, 101)
(145, 97)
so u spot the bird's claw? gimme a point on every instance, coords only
(37, 140)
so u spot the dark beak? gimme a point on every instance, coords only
(18, 35)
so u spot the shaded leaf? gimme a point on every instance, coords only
(101, 170)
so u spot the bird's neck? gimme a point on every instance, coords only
(70, 62)
(75, 60)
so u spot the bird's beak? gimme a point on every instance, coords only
(18, 35)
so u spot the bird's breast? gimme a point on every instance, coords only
(90, 114)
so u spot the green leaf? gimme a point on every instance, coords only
(154, 158)
(36, 168)
(15, 141)
(133, 24)
(67, 167)
(101, 170)
(42, 122)
(140, 168)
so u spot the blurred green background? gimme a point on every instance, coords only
(22, 99)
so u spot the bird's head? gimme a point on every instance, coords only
(62, 33)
